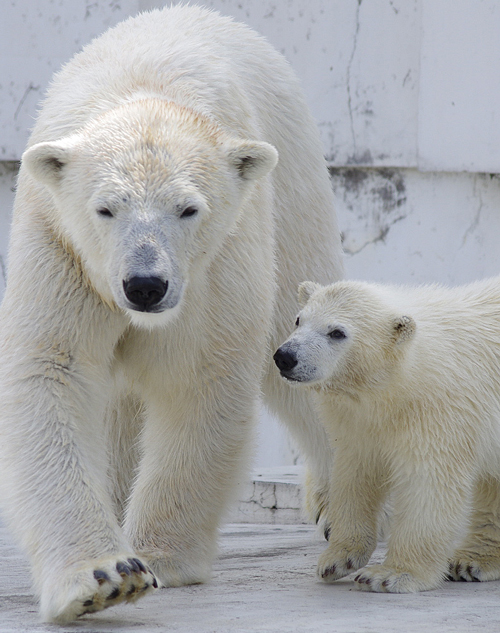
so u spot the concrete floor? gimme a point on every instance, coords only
(263, 581)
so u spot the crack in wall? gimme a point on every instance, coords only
(24, 97)
(477, 217)
(267, 497)
(380, 237)
(348, 78)
(373, 201)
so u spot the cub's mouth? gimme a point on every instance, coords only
(289, 378)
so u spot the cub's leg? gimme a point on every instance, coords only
(357, 491)
(194, 444)
(430, 498)
(478, 558)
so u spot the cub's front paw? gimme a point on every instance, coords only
(382, 579)
(337, 561)
(94, 586)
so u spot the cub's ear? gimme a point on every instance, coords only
(253, 159)
(46, 161)
(306, 289)
(403, 328)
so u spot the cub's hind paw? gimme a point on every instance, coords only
(337, 562)
(382, 579)
(473, 568)
(96, 586)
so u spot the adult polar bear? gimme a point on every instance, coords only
(153, 265)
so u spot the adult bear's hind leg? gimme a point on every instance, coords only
(194, 449)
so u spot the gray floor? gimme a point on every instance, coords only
(263, 581)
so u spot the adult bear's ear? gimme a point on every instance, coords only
(403, 328)
(253, 159)
(46, 161)
(306, 289)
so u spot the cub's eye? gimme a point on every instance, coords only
(189, 212)
(337, 334)
(106, 213)
(297, 322)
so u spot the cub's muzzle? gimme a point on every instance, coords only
(285, 360)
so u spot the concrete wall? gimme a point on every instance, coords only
(404, 93)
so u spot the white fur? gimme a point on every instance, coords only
(122, 431)
(411, 400)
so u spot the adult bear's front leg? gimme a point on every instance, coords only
(56, 345)
(194, 448)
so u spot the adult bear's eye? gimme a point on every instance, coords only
(189, 212)
(105, 212)
(337, 334)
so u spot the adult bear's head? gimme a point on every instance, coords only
(146, 194)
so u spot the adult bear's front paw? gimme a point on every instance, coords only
(94, 586)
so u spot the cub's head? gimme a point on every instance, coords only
(347, 338)
(146, 194)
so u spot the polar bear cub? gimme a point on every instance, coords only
(407, 381)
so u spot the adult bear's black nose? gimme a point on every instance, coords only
(285, 360)
(144, 292)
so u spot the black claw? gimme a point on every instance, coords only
(141, 565)
(349, 564)
(155, 583)
(88, 603)
(318, 516)
(385, 583)
(133, 565)
(114, 594)
(123, 569)
(328, 571)
(132, 590)
(327, 532)
(101, 576)
(469, 571)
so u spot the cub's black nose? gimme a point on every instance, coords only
(144, 292)
(285, 360)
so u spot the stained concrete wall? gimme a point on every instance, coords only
(405, 94)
